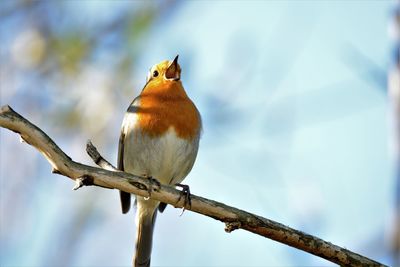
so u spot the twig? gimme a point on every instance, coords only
(97, 158)
(232, 217)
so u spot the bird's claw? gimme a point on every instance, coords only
(185, 192)
(153, 183)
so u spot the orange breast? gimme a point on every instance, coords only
(164, 105)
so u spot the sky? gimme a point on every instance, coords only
(296, 129)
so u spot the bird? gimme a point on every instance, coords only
(159, 139)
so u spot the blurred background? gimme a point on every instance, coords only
(301, 109)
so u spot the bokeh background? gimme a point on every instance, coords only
(298, 101)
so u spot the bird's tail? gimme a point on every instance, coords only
(145, 220)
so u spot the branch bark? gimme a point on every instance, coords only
(232, 217)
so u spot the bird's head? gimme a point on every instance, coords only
(165, 71)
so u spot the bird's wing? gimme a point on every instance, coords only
(124, 196)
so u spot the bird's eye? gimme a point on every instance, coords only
(155, 73)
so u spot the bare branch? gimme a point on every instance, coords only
(232, 217)
(97, 158)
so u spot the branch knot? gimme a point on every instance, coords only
(83, 181)
(232, 226)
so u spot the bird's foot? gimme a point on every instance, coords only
(154, 185)
(186, 193)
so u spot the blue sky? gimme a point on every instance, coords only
(294, 130)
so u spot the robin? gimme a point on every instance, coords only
(159, 139)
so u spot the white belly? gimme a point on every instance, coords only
(167, 158)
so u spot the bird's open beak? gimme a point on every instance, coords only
(173, 72)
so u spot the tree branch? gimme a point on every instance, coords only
(232, 217)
